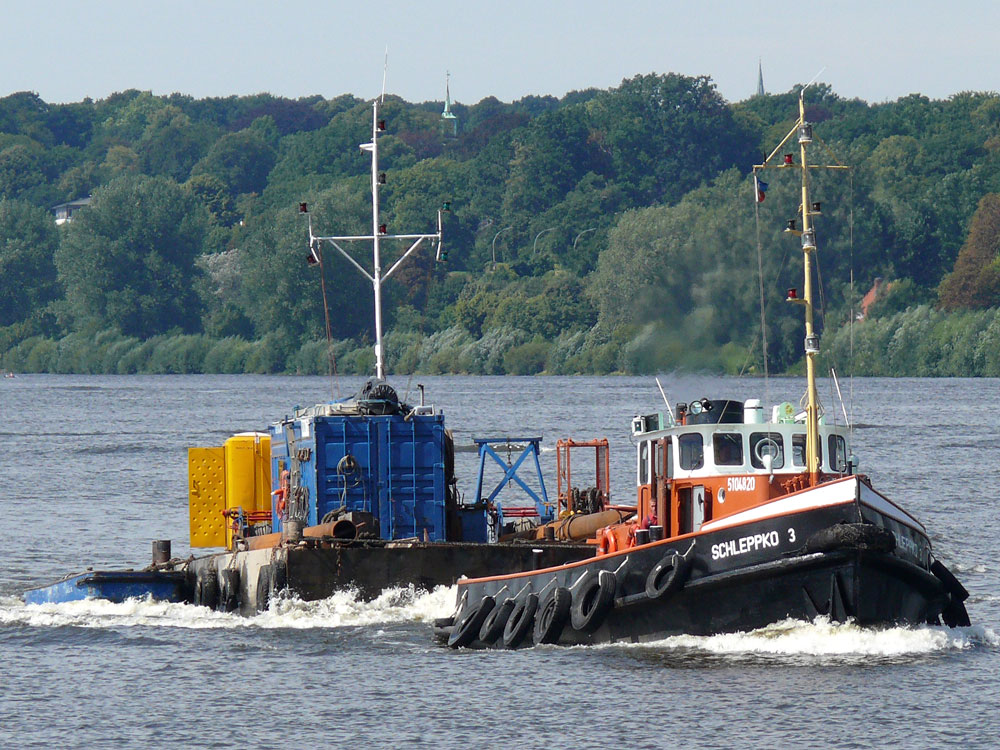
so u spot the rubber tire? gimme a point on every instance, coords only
(264, 588)
(466, 628)
(206, 589)
(667, 577)
(851, 536)
(520, 621)
(951, 584)
(229, 591)
(954, 614)
(495, 622)
(593, 600)
(553, 615)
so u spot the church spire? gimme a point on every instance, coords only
(448, 115)
(760, 79)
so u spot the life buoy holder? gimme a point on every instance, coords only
(608, 542)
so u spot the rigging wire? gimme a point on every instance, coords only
(760, 281)
(331, 356)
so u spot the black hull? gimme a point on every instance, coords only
(370, 567)
(844, 561)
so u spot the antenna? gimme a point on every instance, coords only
(811, 82)
(666, 401)
(385, 71)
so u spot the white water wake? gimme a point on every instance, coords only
(822, 638)
(343, 609)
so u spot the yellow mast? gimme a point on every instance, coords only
(812, 340)
(807, 210)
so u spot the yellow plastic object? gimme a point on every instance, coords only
(248, 474)
(207, 496)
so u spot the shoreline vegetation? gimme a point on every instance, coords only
(917, 342)
(607, 231)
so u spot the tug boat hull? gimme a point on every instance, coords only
(845, 554)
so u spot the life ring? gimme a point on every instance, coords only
(495, 622)
(608, 542)
(467, 627)
(553, 615)
(520, 621)
(593, 599)
(667, 576)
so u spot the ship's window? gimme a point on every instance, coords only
(728, 448)
(838, 453)
(799, 450)
(767, 444)
(692, 451)
(643, 462)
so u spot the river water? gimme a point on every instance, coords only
(94, 468)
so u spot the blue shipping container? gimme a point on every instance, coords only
(384, 465)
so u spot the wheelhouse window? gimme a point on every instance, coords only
(838, 453)
(692, 451)
(764, 444)
(728, 448)
(799, 450)
(643, 462)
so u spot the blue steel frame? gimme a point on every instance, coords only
(542, 506)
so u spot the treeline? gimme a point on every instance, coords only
(606, 231)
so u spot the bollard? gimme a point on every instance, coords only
(161, 551)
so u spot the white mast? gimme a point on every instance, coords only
(379, 233)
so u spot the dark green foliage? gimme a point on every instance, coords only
(620, 221)
(28, 242)
(128, 260)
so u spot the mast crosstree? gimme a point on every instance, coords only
(377, 237)
(807, 210)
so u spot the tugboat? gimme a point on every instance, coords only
(742, 519)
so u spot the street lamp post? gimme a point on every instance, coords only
(535, 243)
(495, 243)
(592, 229)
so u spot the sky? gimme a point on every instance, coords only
(876, 51)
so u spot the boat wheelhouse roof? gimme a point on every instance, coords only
(733, 438)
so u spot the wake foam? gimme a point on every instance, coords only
(822, 638)
(343, 609)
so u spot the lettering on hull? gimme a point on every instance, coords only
(745, 544)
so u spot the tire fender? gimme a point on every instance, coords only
(593, 599)
(553, 614)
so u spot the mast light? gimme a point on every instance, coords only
(381, 125)
(809, 240)
(381, 178)
(382, 229)
(788, 159)
(790, 227)
(812, 344)
(805, 133)
(792, 295)
(816, 209)
(303, 208)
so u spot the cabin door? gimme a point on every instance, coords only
(697, 506)
(690, 508)
(665, 472)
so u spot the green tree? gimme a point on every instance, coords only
(974, 283)
(28, 242)
(128, 261)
